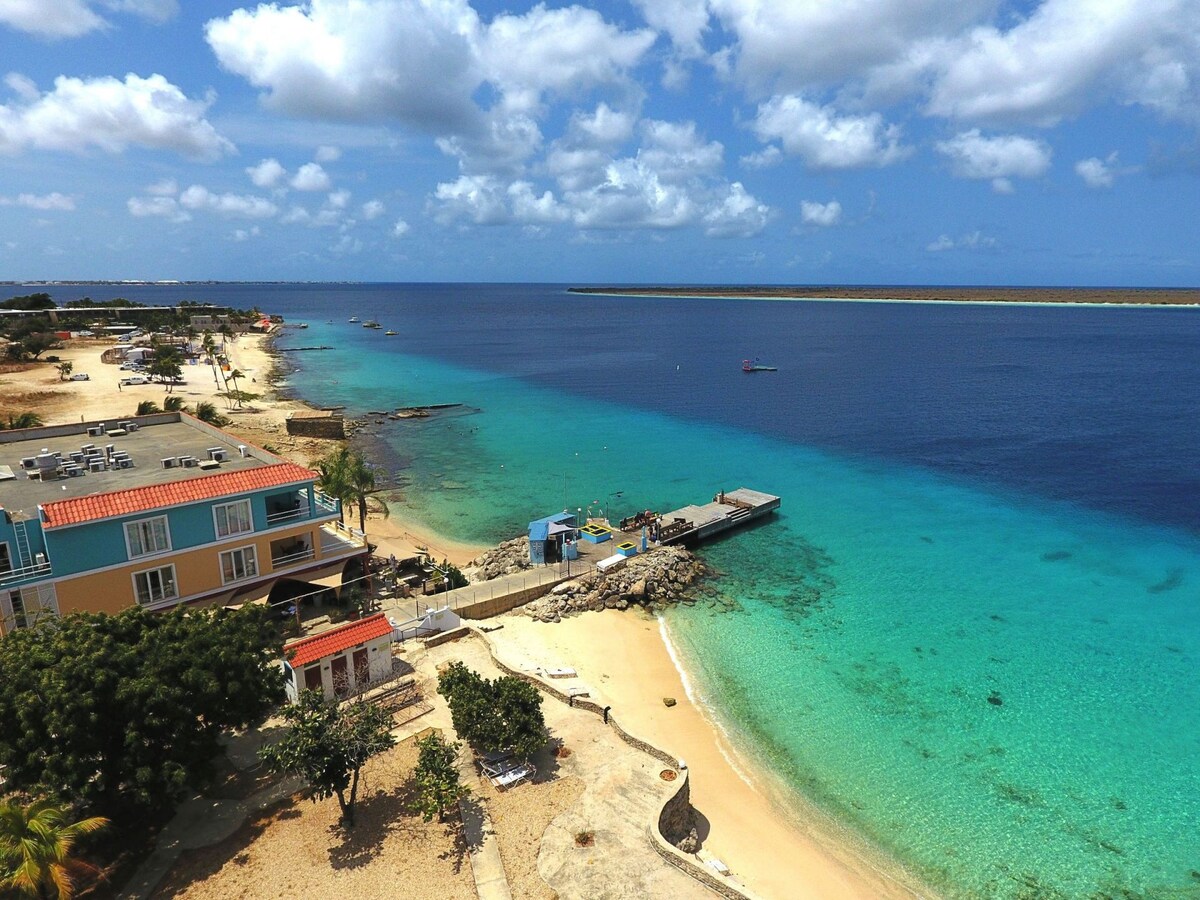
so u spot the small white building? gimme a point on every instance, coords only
(339, 661)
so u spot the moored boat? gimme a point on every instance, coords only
(354, 318)
(756, 366)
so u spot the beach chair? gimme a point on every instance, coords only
(510, 779)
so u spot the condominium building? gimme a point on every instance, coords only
(157, 511)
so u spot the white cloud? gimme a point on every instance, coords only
(996, 158)
(789, 46)
(267, 174)
(400, 229)
(310, 177)
(606, 127)
(372, 209)
(112, 114)
(1070, 54)
(358, 60)
(738, 214)
(1097, 173)
(326, 154)
(45, 202)
(477, 198)
(244, 234)
(167, 187)
(72, 18)
(244, 206)
(825, 140)
(822, 215)
(164, 207)
(339, 199)
(685, 21)
(975, 240)
(556, 50)
(764, 159)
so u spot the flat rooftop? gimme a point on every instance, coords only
(157, 437)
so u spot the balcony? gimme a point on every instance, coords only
(11, 576)
(338, 539)
(291, 550)
(325, 504)
(287, 507)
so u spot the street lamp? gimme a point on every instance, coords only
(608, 508)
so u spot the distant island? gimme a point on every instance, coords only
(1136, 296)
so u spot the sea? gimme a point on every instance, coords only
(971, 635)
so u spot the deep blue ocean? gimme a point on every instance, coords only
(970, 637)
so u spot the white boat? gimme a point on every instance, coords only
(389, 332)
(303, 324)
(354, 318)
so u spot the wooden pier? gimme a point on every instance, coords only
(729, 509)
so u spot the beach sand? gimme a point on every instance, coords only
(623, 661)
(621, 656)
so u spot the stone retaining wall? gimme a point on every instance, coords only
(676, 808)
(485, 609)
(330, 426)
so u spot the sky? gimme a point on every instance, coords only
(669, 141)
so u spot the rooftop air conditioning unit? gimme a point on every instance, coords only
(218, 455)
(243, 450)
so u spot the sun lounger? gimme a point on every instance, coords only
(564, 672)
(513, 777)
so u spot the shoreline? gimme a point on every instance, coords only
(746, 820)
(753, 827)
(1158, 298)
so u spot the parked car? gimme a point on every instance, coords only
(81, 376)
(135, 379)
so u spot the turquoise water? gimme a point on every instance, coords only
(862, 632)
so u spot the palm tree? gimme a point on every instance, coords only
(335, 479)
(207, 412)
(65, 369)
(233, 376)
(22, 420)
(362, 483)
(147, 408)
(36, 844)
(173, 404)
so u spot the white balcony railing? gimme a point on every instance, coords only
(37, 570)
(299, 512)
(338, 538)
(324, 502)
(288, 559)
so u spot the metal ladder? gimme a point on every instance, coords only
(23, 554)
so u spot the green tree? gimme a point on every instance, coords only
(167, 365)
(436, 777)
(505, 714)
(22, 420)
(174, 404)
(147, 408)
(36, 849)
(131, 704)
(335, 477)
(30, 301)
(33, 345)
(328, 744)
(207, 412)
(65, 369)
(361, 480)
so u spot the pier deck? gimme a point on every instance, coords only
(728, 509)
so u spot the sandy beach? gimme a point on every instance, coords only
(620, 656)
(622, 659)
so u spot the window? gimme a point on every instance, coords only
(233, 518)
(5, 559)
(147, 536)
(238, 564)
(20, 620)
(155, 585)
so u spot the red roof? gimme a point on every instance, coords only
(188, 490)
(335, 640)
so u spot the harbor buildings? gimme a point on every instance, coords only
(158, 511)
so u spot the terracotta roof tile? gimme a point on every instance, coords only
(327, 643)
(60, 513)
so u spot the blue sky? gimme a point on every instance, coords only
(716, 141)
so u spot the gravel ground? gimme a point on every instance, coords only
(295, 849)
(520, 816)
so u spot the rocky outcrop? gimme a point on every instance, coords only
(504, 559)
(663, 576)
